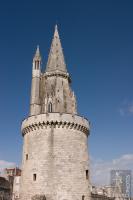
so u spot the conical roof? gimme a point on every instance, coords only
(37, 54)
(56, 60)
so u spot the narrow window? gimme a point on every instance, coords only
(83, 197)
(50, 107)
(37, 64)
(26, 156)
(87, 174)
(34, 177)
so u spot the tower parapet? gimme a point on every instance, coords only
(56, 120)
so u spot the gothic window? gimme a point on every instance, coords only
(50, 107)
(37, 64)
(83, 197)
(87, 174)
(34, 177)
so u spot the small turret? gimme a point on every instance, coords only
(36, 64)
(35, 87)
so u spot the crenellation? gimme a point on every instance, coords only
(49, 122)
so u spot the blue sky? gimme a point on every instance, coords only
(97, 38)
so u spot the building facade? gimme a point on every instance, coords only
(10, 174)
(5, 190)
(55, 163)
(106, 193)
(16, 188)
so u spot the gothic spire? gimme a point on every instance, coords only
(56, 60)
(37, 54)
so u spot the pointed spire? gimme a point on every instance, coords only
(37, 62)
(56, 60)
(37, 50)
(37, 54)
(56, 34)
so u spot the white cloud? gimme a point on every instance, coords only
(5, 164)
(100, 169)
(126, 108)
(130, 109)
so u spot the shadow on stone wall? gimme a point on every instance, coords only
(38, 197)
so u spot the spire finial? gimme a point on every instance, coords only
(56, 26)
(56, 34)
(37, 50)
(37, 54)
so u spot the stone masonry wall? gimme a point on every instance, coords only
(56, 145)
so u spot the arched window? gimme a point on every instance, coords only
(37, 64)
(50, 107)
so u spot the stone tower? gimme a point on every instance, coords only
(55, 152)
